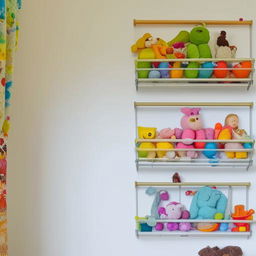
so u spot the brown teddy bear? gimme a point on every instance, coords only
(226, 251)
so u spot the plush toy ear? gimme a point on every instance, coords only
(196, 111)
(186, 111)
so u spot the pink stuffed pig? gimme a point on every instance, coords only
(192, 126)
(173, 211)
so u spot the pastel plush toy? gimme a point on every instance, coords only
(192, 126)
(173, 211)
(207, 203)
(166, 133)
(146, 133)
(223, 50)
(159, 196)
(231, 131)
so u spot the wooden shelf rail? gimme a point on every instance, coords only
(190, 184)
(201, 104)
(193, 22)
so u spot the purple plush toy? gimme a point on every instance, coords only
(173, 211)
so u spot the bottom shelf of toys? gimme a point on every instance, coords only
(215, 209)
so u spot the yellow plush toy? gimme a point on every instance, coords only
(146, 41)
(147, 133)
(140, 44)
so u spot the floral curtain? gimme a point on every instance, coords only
(9, 29)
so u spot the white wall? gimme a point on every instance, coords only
(71, 156)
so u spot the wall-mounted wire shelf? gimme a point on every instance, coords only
(168, 185)
(222, 161)
(183, 82)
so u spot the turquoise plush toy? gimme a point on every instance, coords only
(198, 47)
(206, 73)
(207, 203)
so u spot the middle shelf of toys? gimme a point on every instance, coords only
(222, 144)
(215, 209)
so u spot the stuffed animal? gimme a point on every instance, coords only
(173, 211)
(144, 42)
(198, 47)
(144, 48)
(146, 133)
(192, 126)
(231, 131)
(208, 202)
(183, 36)
(166, 133)
(159, 196)
(223, 49)
(226, 251)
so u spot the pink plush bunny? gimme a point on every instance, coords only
(192, 126)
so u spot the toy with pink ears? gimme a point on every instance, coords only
(173, 211)
(192, 129)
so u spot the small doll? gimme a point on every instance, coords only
(223, 49)
(231, 131)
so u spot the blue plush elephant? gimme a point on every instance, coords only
(207, 202)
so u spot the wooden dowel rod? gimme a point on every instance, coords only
(170, 184)
(196, 60)
(205, 104)
(186, 140)
(192, 22)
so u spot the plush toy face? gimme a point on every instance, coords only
(199, 35)
(150, 41)
(174, 210)
(191, 119)
(232, 120)
(147, 132)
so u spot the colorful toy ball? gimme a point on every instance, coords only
(172, 226)
(210, 154)
(154, 74)
(224, 227)
(164, 73)
(242, 73)
(185, 226)
(206, 73)
(159, 226)
(220, 70)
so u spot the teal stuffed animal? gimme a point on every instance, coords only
(199, 39)
(208, 203)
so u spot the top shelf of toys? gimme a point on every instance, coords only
(194, 57)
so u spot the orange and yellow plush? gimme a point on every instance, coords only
(141, 43)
